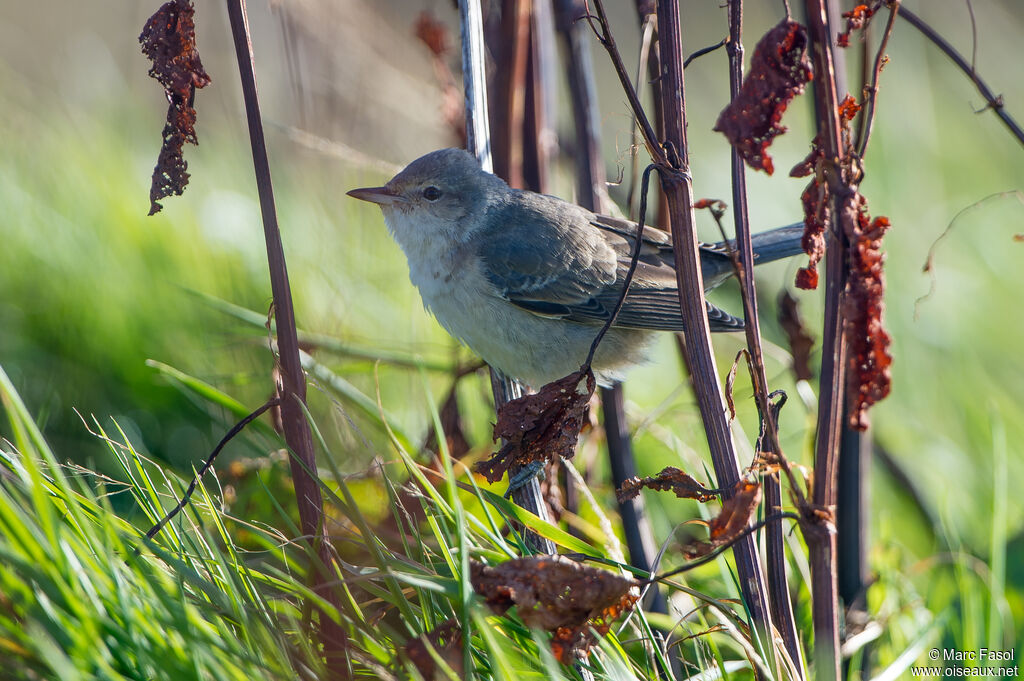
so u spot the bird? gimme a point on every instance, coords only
(527, 280)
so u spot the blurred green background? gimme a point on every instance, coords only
(90, 288)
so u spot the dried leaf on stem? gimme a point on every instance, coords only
(732, 520)
(779, 71)
(559, 595)
(446, 640)
(541, 427)
(817, 215)
(868, 376)
(857, 19)
(800, 340)
(669, 479)
(435, 36)
(169, 40)
(451, 426)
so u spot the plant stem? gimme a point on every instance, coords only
(781, 610)
(821, 534)
(676, 181)
(292, 388)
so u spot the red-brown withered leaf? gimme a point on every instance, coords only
(540, 427)
(669, 479)
(779, 71)
(817, 203)
(869, 372)
(433, 33)
(856, 19)
(169, 40)
(558, 595)
(800, 340)
(730, 522)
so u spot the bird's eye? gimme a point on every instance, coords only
(431, 193)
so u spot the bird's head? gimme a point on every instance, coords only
(444, 193)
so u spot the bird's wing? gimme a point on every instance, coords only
(577, 274)
(716, 264)
(538, 266)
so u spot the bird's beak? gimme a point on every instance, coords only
(383, 196)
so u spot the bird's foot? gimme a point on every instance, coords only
(523, 476)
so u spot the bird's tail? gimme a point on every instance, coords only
(776, 244)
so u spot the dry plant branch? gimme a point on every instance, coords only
(672, 163)
(678, 188)
(871, 91)
(819, 530)
(208, 464)
(992, 101)
(292, 382)
(592, 194)
(778, 589)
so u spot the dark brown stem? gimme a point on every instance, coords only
(782, 613)
(292, 388)
(508, 108)
(819, 530)
(993, 101)
(867, 119)
(676, 182)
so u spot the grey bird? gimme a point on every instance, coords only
(526, 280)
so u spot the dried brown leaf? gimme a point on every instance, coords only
(670, 479)
(800, 340)
(734, 517)
(544, 426)
(779, 70)
(856, 19)
(169, 40)
(869, 374)
(817, 216)
(558, 595)
(434, 34)
(730, 382)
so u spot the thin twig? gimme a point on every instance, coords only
(235, 430)
(870, 106)
(719, 550)
(705, 50)
(634, 259)
(605, 37)
(992, 101)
